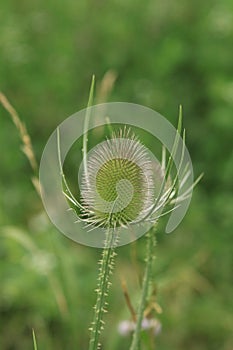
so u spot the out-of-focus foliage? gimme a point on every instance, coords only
(164, 53)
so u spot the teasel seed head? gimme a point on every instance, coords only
(118, 185)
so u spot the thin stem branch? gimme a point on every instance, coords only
(145, 289)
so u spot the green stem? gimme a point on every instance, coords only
(105, 270)
(135, 345)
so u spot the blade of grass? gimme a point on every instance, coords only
(25, 138)
(86, 123)
(34, 340)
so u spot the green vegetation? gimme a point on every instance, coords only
(158, 54)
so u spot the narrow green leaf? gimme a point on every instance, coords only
(180, 119)
(86, 122)
(109, 125)
(67, 192)
(34, 340)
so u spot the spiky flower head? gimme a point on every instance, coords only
(117, 186)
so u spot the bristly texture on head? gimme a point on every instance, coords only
(118, 186)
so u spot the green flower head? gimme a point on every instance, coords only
(117, 187)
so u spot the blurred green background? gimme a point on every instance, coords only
(160, 54)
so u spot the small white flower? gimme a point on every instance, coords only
(126, 327)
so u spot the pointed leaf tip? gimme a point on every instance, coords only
(34, 340)
(180, 119)
(91, 93)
